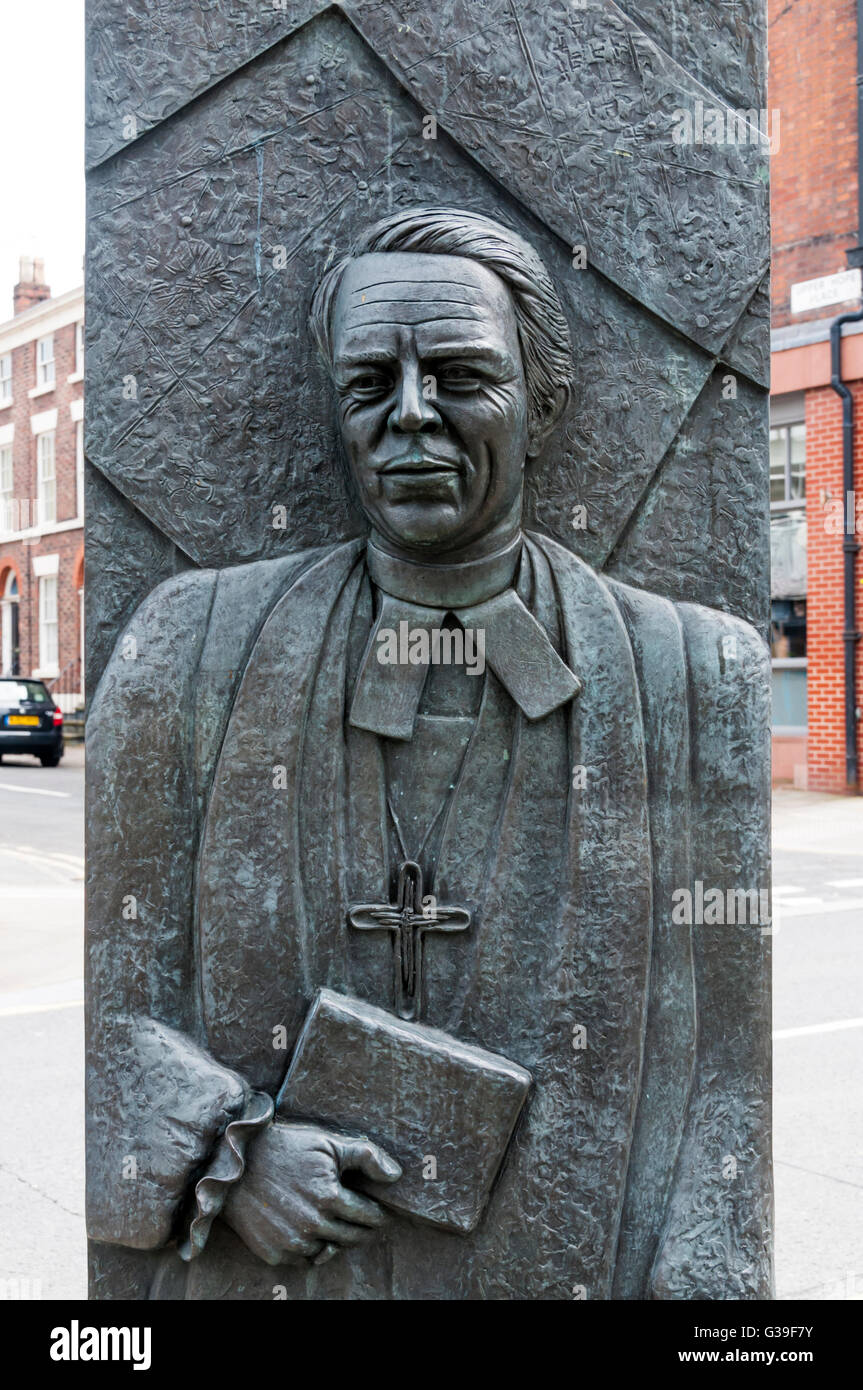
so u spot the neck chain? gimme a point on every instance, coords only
(444, 810)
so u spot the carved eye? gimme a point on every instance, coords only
(369, 384)
(458, 378)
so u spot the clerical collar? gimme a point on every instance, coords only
(416, 598)
(445, 586)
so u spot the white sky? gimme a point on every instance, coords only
(42, 119)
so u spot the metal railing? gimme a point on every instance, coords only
(67, 687)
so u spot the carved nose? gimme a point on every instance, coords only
(412, 413)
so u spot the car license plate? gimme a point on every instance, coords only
(31, 720)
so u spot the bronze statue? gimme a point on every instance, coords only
(417, 807)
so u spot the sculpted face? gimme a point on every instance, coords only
(432, 400)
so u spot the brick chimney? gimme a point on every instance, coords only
(31, 288)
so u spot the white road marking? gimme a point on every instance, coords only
(40, 1008)
(40, 856)
(44, 867)
(780, 891)
(34, 791)
(66, 890)
(811, 1028)
(845, 883)
(813, 907)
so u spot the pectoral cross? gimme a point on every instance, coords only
(408, 923)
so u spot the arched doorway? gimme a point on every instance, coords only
(10, 654)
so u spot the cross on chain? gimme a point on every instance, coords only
(408, 924)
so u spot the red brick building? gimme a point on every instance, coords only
(816, 526)
(41, 486)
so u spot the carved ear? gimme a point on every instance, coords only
(541, 428)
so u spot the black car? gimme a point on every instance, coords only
(30, 722)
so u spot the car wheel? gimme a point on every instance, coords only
(49, 759)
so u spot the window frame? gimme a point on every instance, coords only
(5, 396)
(49, 625)
(788, 503)
(785, 415)
(79, 468)
(46, 372)
(43, 518)
(7, 494)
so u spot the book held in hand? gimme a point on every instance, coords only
(444, 1109)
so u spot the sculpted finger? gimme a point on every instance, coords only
(306, 1249)
(269, 1235)
(268, 1246)
(326, 1254)
(351, 1206)
(344, 1233)
(249, 1222)
(263, 1249)
(368, 1158)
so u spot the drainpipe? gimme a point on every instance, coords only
(850, 546)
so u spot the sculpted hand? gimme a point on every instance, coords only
(291, 1204)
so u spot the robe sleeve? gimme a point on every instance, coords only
(164, 1117)
(717, 1237)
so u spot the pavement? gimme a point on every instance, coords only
(818, 1022)
(42, 1242)
(818, 1044)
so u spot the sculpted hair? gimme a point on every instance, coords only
(542, 328)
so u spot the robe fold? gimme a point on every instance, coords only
(236, 814)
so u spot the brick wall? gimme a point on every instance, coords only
(825, 606)
(24, 406)
(18, 554)
(812, 83)
(814, 207)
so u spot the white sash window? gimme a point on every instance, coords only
(45, 361)
(46, 478)
(7, 490)
(48, 644)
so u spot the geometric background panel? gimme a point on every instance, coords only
(259, 154)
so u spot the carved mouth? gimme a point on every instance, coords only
(424, 466)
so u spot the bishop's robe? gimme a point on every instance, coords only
(236, 814)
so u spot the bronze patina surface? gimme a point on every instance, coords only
(427, 577)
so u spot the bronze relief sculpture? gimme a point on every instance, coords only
(386, 899)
